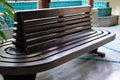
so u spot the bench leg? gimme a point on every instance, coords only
(95, 52)
(19, 77)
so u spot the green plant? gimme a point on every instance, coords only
(8, 12)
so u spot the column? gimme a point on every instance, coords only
(43, 4)
(91, 3)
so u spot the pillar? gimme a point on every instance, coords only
(91, 3)
(43, 4)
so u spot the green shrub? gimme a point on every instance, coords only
(9, 10)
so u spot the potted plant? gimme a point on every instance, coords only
(8, 12)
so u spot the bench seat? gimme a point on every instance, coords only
(54, 56)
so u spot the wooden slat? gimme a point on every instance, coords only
(29, 23)
(28, 15)
(62, 48)
(70, 17)
(55, 35)
(70, 22)
(75, 10)
(50, 24)
(56, 25)
(61, 44)
(68, 37)
(43, 27)
(56, 30)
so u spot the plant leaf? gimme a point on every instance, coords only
(6, 4)
(3, 36)
(9, 12)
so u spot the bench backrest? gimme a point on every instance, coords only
(41, 29)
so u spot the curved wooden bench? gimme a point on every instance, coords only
(46, 38)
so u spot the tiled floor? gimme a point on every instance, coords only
(90, 67)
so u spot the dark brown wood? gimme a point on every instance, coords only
(53, 19)
(48, 39)
(97, 53)
(51, 12)
(20, 77)
(49, 24)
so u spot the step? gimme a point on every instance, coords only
(108, 20)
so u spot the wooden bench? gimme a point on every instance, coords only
(46, 38)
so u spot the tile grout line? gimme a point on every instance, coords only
(102, 60)
(114, 50)
(98, 60)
